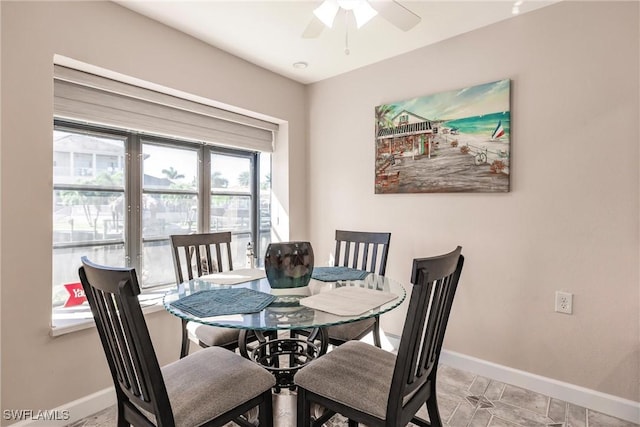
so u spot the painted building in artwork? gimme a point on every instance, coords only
(408, 132)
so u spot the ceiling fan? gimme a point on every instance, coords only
(362, 10)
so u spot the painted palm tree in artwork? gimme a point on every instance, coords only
(384, 116)
(384, 119)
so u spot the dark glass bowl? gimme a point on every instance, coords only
(288, 264)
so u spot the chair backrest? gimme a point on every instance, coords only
(204, 253)
(434, 281)
(369, 250)
(113, 296)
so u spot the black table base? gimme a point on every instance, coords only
(283, 357)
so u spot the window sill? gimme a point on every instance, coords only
(65, 320)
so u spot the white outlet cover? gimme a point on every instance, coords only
(564, 302)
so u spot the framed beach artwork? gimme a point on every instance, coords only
(455, 141)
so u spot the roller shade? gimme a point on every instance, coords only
(96, 99)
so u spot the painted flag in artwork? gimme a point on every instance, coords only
(499, 131)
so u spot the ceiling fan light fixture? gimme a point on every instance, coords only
(327, 12)
(363, 13)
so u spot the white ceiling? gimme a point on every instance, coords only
(268, 32)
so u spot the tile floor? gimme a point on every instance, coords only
(465, 400)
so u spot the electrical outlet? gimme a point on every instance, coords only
(564, 302)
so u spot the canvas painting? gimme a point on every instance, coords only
(455, 141)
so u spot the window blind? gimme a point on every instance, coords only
(96, 99)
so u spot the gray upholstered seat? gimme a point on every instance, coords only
(210, 382)
(212, 336)
(347, 331)
(368, 369)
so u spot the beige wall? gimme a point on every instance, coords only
(38, 371)
(571, 219)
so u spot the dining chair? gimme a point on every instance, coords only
(363, 251)
(195, 255)
(211, 387)
(392, 387)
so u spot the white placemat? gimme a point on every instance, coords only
(234, 277)
(348, 300)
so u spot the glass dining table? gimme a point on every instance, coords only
(311, 309)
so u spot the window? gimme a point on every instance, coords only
(231, 198)
(87, 209)
(119, 195)
(170, 205)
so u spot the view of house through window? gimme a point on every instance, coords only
(118, 196)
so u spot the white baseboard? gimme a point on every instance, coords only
(601, 402)
(615, 406)
(73, 411)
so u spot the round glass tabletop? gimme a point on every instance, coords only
(349, 298)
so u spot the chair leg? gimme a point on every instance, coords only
(303, 409)
(121, 421)
(184, 346)
(376, 332)
(432, 407)
(265, 411)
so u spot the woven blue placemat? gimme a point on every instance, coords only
(333, 274)
(218, 302)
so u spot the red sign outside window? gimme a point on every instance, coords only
(76, 294)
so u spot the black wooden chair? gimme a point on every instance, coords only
(208, 388)
(195, 255)
(392, 388)
(369, 250)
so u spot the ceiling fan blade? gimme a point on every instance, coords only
(314, 29)
(396, 14)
